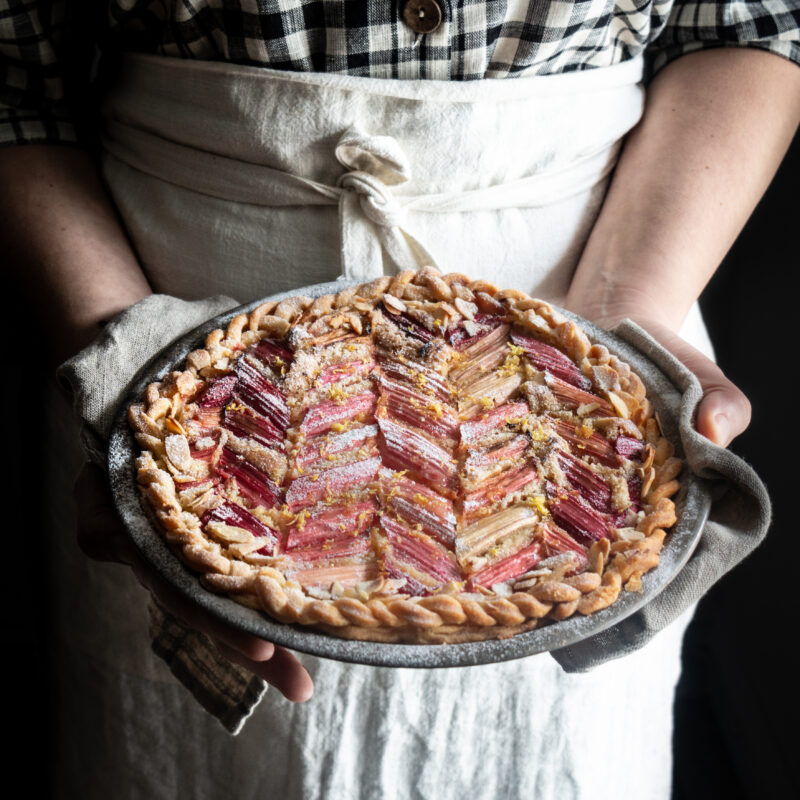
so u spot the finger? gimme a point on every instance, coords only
(193, 616)
(283, 671)
(100, 533)
(724, 411)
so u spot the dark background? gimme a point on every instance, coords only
(734, 736)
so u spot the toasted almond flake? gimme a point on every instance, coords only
(630, 534)
(466, 309)
(173, 425)
(228, 533)
(394, 304)
(177, 447)
(471, 328)
(619, 405)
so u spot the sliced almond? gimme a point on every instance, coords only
(619, 404)
(465, 308)
(177, 448)
(229, 533)
(394, 305)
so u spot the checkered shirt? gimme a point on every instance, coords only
(47, 47)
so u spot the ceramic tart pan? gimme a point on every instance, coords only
(692, 506)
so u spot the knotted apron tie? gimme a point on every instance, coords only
(375, 195)
(374, 163)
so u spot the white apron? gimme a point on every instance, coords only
(246, 182)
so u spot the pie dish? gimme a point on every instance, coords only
(424, 458)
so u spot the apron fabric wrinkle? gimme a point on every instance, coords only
(244, 182)
(408, 171)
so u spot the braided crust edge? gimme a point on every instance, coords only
(439, 618)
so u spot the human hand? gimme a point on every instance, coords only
(102, 537)
(724, 412)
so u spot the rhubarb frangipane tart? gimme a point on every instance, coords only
(423, 458)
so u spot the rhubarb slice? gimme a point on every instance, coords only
(585, 442)
(488, 531)
(408, 326)
(323, 416)
(331, 549)
(547, 358)
(331, 524)
(418, 506)
(403, 448)
(424, 379)
(575, 516)
(467, 333)
(343, 574)
(403, 404)
(513, 448)
(308, 490)
(410, 582)
(628, 447)
(248, 423)
(336, 446)
(274, 354)
(484, 355)
(591, 487)
(217, 393)
(231, 514)
(558, 541)
(504, 417)
(507, 568)
(413, 548)
(503, 485)
(255, 390)
(252, 483)
(572, 397)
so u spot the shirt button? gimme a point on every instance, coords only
(422, 16)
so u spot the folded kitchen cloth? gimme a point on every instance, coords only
(737, 523)
(97, 378)
(99, 375)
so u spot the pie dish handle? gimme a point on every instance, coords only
(737, 522)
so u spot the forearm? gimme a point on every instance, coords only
(716, 126)
(64, 245)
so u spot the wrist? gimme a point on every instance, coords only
(606, 302)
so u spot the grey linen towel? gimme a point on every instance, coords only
(738, 521)
(97, 379)
(740, 514)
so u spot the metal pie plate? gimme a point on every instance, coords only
(693, 503)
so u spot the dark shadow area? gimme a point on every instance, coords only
(30, 694)
(734, 734)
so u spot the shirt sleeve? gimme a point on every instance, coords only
(695, 25)
(37, 63)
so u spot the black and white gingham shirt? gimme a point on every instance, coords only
(47, 46)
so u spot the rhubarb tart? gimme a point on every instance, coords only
(424, 458)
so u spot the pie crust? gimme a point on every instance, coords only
(424, 458)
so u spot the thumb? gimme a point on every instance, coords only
(724, 412)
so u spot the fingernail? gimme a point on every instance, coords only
(723, 430)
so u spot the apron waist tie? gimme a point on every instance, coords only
(372, 218)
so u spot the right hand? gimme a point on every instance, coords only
(102, 537)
